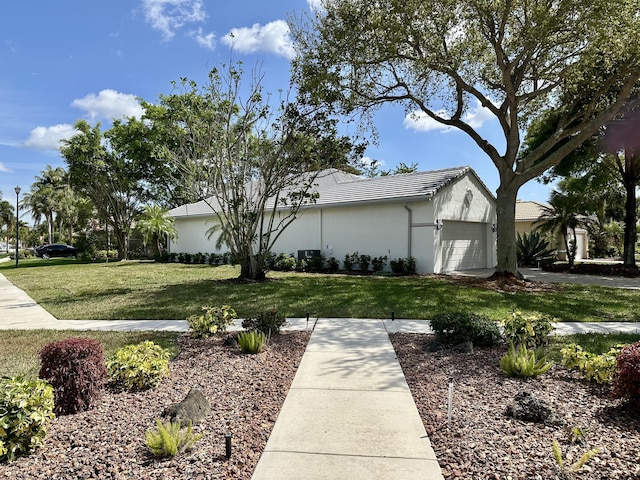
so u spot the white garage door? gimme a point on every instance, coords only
(463, 245)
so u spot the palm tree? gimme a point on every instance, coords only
(561, 217)
(45, 196)
(6, 218)
(155, 224)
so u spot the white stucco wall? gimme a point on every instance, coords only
(397, 229)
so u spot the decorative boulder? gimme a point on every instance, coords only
(464, 347)
(529, 408)
(195, 408)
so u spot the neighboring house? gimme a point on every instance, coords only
(528, 215)
(444, 219)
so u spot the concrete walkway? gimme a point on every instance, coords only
(349, 412)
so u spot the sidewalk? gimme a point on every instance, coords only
(349, 412)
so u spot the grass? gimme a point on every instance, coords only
(596, 343)
(19, 348)
(146, 290)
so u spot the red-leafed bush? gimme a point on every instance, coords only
(626, 376)
(76, 370)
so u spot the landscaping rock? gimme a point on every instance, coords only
(529, 408)
(195, 408)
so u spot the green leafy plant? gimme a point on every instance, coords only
(378, 263)
(532, 330)
(459, 327)
(168, 440)
(252, 341)
(519, 361)
(333, 265)
(76, 369)
(26, 407)
(138, 367)
(626, 377)
(532, 249)
(566, 470)
(577, 434)
(363, 262)
(266, 321)
(350, 259)
(213, 321)
(596, 368)
(403, 266)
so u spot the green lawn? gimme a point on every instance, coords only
(19, 348)
(144, 290)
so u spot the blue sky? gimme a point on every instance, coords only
(69, 60)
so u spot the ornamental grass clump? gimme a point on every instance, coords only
(26, 408)
(170, 439)
(76, 369)
(213, 321)
(252, 341)
(520, 361)
(138, 367)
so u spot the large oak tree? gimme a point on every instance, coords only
(442, 57)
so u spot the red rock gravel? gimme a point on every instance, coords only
(483, 443)
(107, 442)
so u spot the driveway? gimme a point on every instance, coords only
(537, 275)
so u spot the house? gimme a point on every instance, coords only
(528, 214)
(442, 218)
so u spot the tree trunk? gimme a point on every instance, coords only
(507, 261)
(250, 268)
(630, 233)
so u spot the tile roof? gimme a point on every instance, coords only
(340, 188)
(528, 210)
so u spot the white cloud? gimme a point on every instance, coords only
(420, 121)
(109, 104)
(206, 41)
(4, 169)
(48, 138)
(315, 5)
(167, 16)
(272, 37)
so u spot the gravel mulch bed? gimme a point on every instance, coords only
(483, 443)
(246, 393)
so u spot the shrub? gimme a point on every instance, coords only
(333, 265)
(266, 321)
(626, 377)
(378, 263)
(363, 262)
(314, 264)
(404, 266)
(26, 408)
(531, 330)
(214, 321)
(350, 259)
(567, 470)
(459, 327)
(522, 362)
(596, 368)
(138, 367)
(252, 341)
(285, 262)
(169, 440)
(76, 369)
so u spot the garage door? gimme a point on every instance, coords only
(463, 245)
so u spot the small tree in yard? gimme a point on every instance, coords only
(154, 224)
(258, 163)
(440, 59)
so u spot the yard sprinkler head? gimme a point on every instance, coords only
(227, 444)
(307, 321)
(393, 316)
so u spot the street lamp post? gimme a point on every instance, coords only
(17, 190)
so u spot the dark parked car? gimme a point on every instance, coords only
(56, 250)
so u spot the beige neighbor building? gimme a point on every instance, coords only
(444, 219)
(528, 215)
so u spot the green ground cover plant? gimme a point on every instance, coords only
(147, 290)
